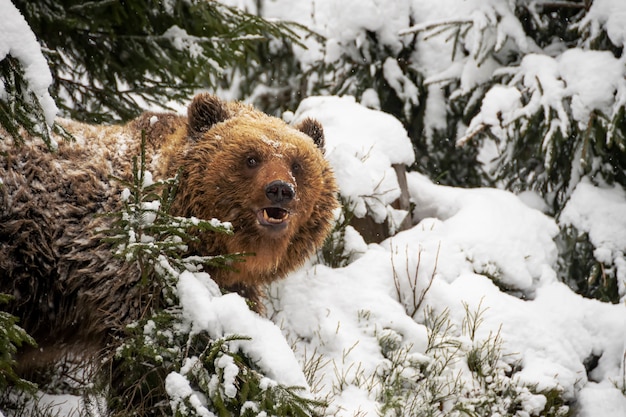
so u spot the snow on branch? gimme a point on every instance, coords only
(485, 30)
(605, 15)
(18, 40)
(568, 89)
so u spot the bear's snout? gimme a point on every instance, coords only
(280, 192)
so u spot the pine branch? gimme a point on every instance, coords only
(109, 59)
(12, 337)
(20, 109)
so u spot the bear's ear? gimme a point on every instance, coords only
(314, 129)
(205, 111)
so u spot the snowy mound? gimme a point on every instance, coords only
(496, 234)
(479, 251)
(361, 144)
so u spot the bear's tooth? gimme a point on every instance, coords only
(275, 216)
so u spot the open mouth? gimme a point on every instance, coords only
(273, 216)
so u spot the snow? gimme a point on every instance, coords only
(609, 15)
(406, 90)
(60, 405)
(551, 335)
(18, 41)
(499, 109)
(593, 79)
(517, 247)
(469, 250)
(462, 41)
(588, 209)
(182, 41)
(462, 242)
(229, 315)
(598, 211)
(369, 158)
(605, 397)
(179, 389)
(227, 363)
(328, 18)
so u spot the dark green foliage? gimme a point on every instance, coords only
(225, 378)
(21, 109)
(111, 58)
(248, 393)
(579, 269)
(12, 337)
(551, 22)
(133, 380)
(556, 404)
(285, 83)
(278, 73)
(532, 159)
(447, 163)
(333, 252)
(553, 172)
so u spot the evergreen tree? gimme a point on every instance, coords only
(541, 146)
(111, 59)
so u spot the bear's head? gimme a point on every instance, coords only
(269, 179)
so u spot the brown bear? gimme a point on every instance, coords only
(235, 164)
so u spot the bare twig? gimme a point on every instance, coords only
(430, 282)
(467, 138)
(416, 300)
(423, 27)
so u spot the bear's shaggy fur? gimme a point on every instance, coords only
(236, 164)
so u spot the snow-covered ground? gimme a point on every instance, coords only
(462, 243)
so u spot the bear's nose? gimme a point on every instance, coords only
(280, 192)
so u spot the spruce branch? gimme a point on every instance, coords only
(20, 108)
(12, 337)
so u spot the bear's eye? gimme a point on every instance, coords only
(252, 161)
(296, 167)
